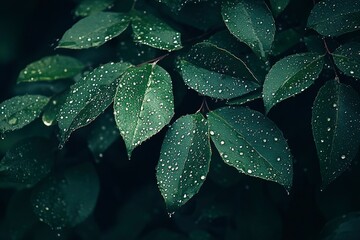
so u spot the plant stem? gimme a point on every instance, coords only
(329, 54)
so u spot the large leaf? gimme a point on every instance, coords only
(51, 68)
(143, 104)
(26, 163)
(89, 97)
(215, 72)
(335, 124)
(154, 32)
(94, 30)
(334, 18)
(67, 199)
(184, 160)
(252, 23)
(19, 111)
(290, 76)
(347, 59)
(88, 7)
(278, 6)
(251, 143)
(344, 227)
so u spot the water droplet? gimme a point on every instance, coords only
(13, 121)
(343, 156)
(249, 171)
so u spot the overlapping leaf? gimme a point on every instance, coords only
(251, 96)
(215, 72)
(94, 30)
(67, 199)
(290, 76)
(334, 18)
(335, 125)
(51, 68)
(251, 143)
(89, 97)
(19, 111)
(88, 7)
(52, 109)
(184, 160)
(252, 23)
(347, 59)
(143, 104)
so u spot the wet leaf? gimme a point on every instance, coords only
(67, 199)
(143, 104)
(94, 30)
(103, 134)
(335, 122)
(215, 72)
(245, 98)
(278, 6)
(251, 143)
(88, 98)
(154, 32)
(177, 5)
(290, 76)
(334, 18)
(52, 109)
(88, 7)
(51, 68)
(347, 59)
(252, 23)
(184, 160)
(344, 227)
(19, 111)
(26, 163)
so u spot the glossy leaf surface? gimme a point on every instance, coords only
(252, 23)
(88, 7)
(184, 160)
(334, 18)
(51, 68)
(335, 125)
(94, 30)
(251, 143)
(347, 59)
(19, 111)
(89, 97)
(215, 72)
(67, 199)
(143, 104)
(290, 76)
(245, 98)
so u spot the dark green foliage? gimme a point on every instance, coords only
(159, 83)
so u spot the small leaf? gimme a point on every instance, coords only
(344, 227)
(184, 160)
(88, 98)
(252, 23)
(334, 18)
(335, 122)
(103, 134)
(251, 143)
(347, 59)
(154, 32)
(278, 6)
(51, 68)
(88, 7)
(26, 163)
(67, 199)
(94, 30)
(215, 72)
(19, 111)
(52, 109)
(290, 76)
(245, 98)
(143, 104)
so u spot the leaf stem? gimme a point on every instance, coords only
(329, 54)
(204, 108)
(154, 60)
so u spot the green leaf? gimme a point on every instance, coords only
(94, 30)
(184, 160)
(103, 134)
(347, 59)
(52, 109)
(335, 122)
(252, 23)
(245, 98)
(251, 143)
(51, 68)
(215, 72)
(19, 111)
(285, 40)
(88, 98)
(290, 76)
(177, 5)
(67, 199)
(278, 6)
(334, 18)
(154, 32)
(26, 163)
(88, 7)
(344, 227)
(143, 104)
